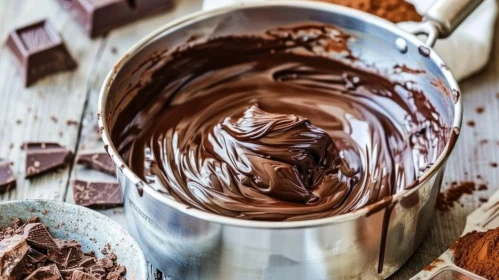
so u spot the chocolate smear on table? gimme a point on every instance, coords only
(21, 258)
(42, 157)
(97, 161)
(448, 198)
(7, 179)
(99, 17)
(97, 195)
(39, 51)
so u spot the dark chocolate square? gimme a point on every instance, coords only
(39, 51)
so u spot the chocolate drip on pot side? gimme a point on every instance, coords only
(269, 128)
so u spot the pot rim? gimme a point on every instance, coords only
(337, 219)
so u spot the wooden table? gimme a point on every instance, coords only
(40, 113)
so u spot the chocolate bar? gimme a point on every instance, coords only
(44, 157)
(97, 195)
(39, 51)
(98, 17)
(7, 179)
(97, 161)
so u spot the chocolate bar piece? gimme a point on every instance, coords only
(34, 260)
(49, 272)
(44, 157)
(97, 195)
(100, 16)
(13, 251)
(7, 179)
(39, 51)
(38, 236)
(97, 161)
(79, 275)
(69, 256)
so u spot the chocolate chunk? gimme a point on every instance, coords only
(69, 256)
(34, 260)
(7, 179)
(97, 195)
(49, 272)
(38, 236)
(39, 51)
(98, 17)
(116, 272)
(68, 273)
(79, 275)
(44, 157)
(13, 252)
(87, 262)
(96, 270)
(97, 161)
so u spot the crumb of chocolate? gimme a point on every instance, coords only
(114, 50)
(54, 119)
(449, 197)
(470, 123)
(432, 265)
(493, 164)
(483, 199)
(45, 212)
(484, 141)
(478, 252)
(19, 121)
(483, 187)
(61, 133)
(480, 109)
(71, 122)
(393, 10)
(11, 146)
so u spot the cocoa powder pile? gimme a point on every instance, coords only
(392, 10)
(478, 252)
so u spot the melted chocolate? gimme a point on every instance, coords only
(273, 128)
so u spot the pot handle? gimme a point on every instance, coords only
(443, 17)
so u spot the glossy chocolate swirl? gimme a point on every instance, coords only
(272, 128)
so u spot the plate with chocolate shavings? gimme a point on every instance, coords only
(475, 255)
(60, 241)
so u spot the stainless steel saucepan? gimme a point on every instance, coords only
(370, 243)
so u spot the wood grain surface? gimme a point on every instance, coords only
(40, 113)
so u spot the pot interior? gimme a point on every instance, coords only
(375, 42)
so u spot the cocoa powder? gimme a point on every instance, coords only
(392, 10)
(478, 252)
(446, 199)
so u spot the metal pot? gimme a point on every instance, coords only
(370, 243)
